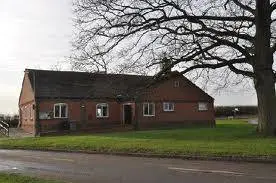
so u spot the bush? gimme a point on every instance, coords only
(13, 123)
(222, 111)
(11, 120)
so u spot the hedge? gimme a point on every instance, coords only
(221, 111)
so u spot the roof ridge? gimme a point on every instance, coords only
(83, 72)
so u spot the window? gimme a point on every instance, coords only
(60, 110)
(168, 106)
(202, 106)
(148, 109)
(176, 84)
(102, 110)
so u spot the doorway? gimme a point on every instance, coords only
(127, 114)
(83, 114)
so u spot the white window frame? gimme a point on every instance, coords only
(148, 103)
(166, 106)
(59, 105)
(176, 84)
(107, 112)
(200, 106)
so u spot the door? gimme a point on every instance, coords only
(127, 114)
(83, 114)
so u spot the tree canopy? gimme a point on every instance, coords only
(239, 35)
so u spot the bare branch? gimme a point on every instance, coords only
(273, 6)
(243, 6)
(229, 63)
(273, 48)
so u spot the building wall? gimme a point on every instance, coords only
(186, 92)
(185, 98)
(89, 122)
(26, 106)
(27, 117)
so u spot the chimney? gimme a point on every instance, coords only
(101, 72)
(165, 63)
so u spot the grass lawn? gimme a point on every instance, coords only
(16, 178)
(229, 138)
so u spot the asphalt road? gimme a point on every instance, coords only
(90, 168)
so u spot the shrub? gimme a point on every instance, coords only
(222, 111)
(12, 120)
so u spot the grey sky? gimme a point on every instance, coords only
(37, 34)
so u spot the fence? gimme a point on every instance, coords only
(4, 128)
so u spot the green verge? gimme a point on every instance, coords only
(17, 178)
(231, 138)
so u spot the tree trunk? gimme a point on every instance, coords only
(266, 105)
(264, 81)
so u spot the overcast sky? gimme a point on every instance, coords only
(37, 34)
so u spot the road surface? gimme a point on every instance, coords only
(92, 168)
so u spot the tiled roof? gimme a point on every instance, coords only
(68, 84)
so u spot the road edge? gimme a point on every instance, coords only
(234, 158)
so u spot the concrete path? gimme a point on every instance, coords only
(89, 168)
(19, 133)
(253, 121)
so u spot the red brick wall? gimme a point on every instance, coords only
(185, 99)
(166, 91)
(27, 94)
(27, 117)
(26, 102)
(74, 114)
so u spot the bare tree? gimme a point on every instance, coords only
(82, 59)
(57, 66)
(236, 35)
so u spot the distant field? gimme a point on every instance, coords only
(16, 178)
(229, 138)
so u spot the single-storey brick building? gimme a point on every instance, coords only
(54, 101)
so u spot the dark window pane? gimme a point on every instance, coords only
(104, 110)
(57, 111)
(171, 107)
(151, 109)
(63, 111)
(146, 109)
